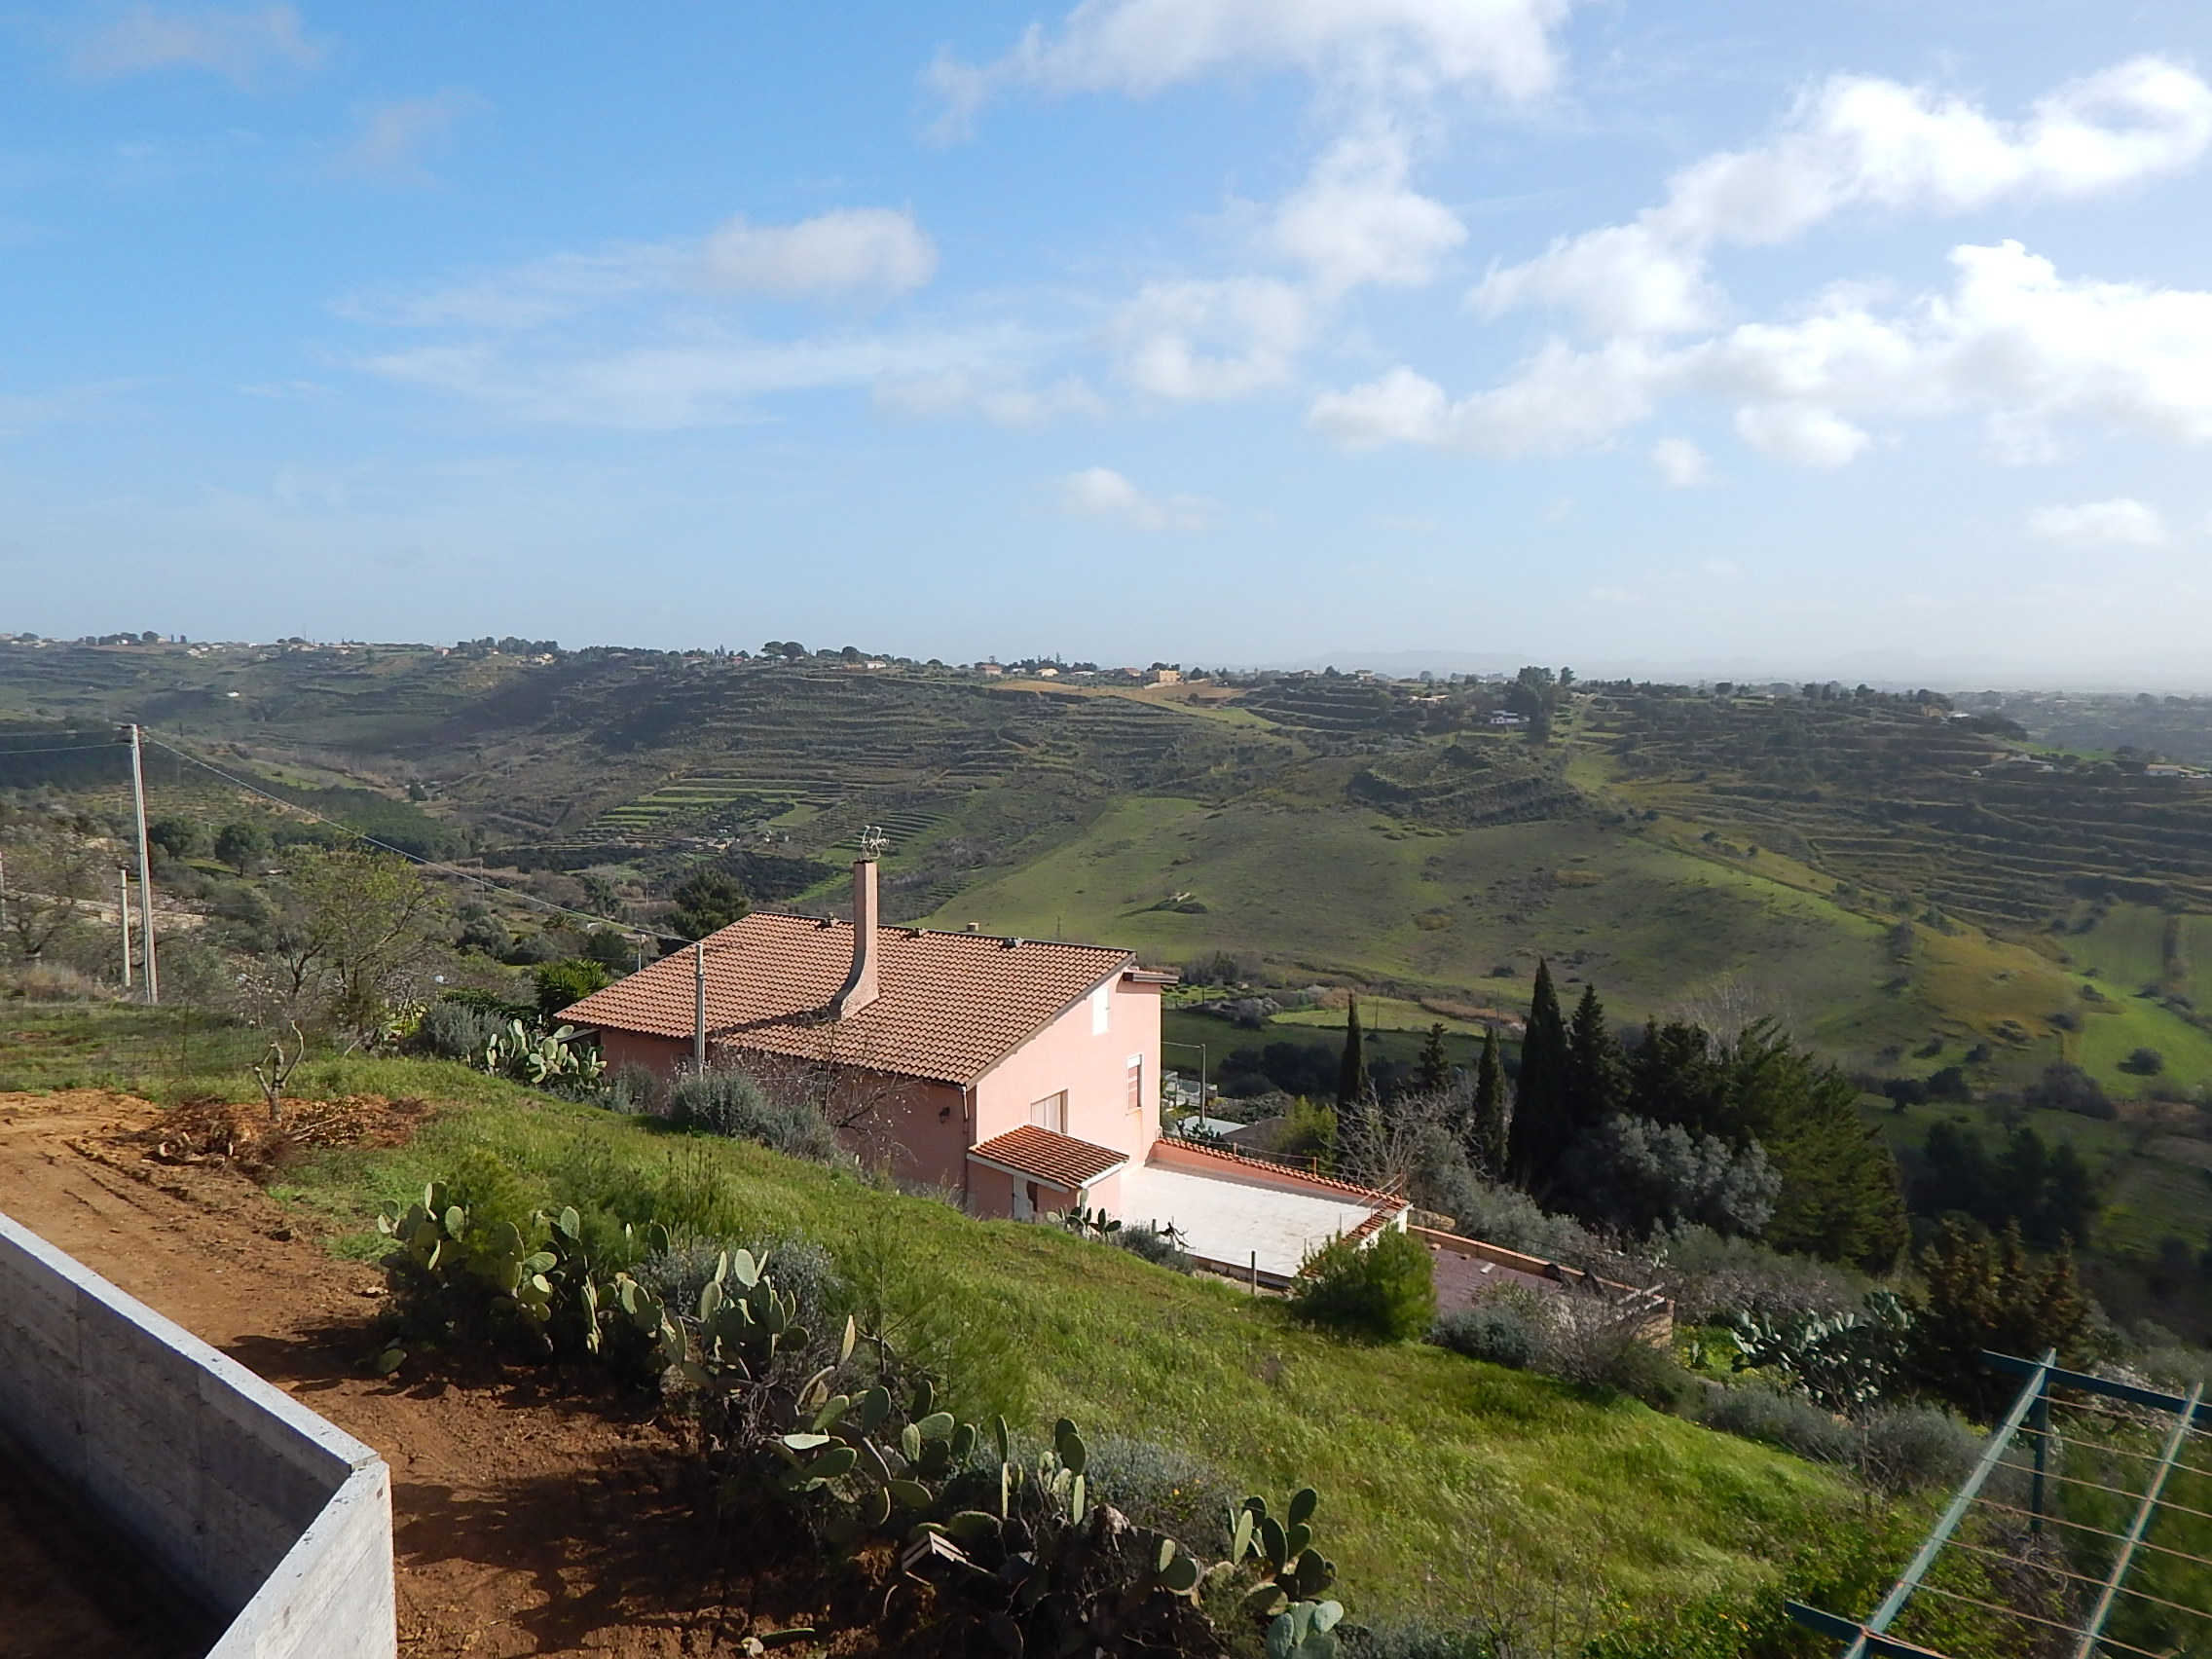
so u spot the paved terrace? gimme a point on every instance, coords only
(1234, 1213)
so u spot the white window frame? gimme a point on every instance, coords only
(1055, 1113)
(1101, 1009)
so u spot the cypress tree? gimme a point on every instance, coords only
(1594, 1068)
(1486, 1130)
(1541, 1132)
(1435, 1074)
(1351, 1073)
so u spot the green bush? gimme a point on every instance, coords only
(1153, 1245)
(1787, 1420)
(732, 1103)
(571, 980)
(1384, 1292)
(1491, 1331)
(1915, 1449)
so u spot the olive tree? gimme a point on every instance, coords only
(353, 933)
(52, 879)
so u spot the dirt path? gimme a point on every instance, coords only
(526, 1524)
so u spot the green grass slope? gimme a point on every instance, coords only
(1438, 1474)
(1349, 892)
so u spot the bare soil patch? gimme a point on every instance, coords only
(529, 1518)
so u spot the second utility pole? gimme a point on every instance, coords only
(145, 870)
(699, 1007)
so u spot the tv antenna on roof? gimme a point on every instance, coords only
(872, 840)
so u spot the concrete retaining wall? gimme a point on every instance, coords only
(278, 1521)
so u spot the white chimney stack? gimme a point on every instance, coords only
(860, 988)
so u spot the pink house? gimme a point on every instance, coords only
(1025, 1073)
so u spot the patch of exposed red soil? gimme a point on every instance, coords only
(529, 1519)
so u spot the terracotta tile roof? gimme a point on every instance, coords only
(1392, 1201)
(1050, 1155)
(951, 1006)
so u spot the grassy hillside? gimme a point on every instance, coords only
(1440, 1476)
(1346, 891)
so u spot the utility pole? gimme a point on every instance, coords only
(145, 869)
(123, 916)
(699, 1007)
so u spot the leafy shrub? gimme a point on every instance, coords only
(1417, 1638)
(455, 1031)
(570, 980)
(1493, 1331)
(733, 1104)
(2069, 1089)
(2172, 1366)
(1384, 1292)
(1787, 1420)
(1712, 1276)
(2144, 1062)
(1590, 1333)
(1505, 1216)
(1915, 1447)
(1153, 1245)
(1159, 1486)
(633, 1088)
(52, 982)
(1654, 1377)
(1642, 1174)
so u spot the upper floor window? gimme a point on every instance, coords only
(1101, 1005)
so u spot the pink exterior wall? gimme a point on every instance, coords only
(658, 1055)
(930, 1127)
(1091, 1068)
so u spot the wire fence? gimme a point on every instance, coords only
(2084, 1529)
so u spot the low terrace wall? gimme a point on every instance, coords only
(249, 1501)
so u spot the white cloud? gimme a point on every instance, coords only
(2122, 522)
(2011, 339)
(1800, 432)
(1681, 464)
(1401, 407)
(1000, 397)
(1099, 492)
(692, 382)
(1194, 340)
(244, 45)
(1139, 47)
(1720, 568)
(1860, 141)
(850, 250)
(847, 251)
(1356, 221)
(1614, 596)
(528, 296)
(393, 136)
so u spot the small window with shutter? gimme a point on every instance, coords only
(1136, 1082)
(1101, 1005)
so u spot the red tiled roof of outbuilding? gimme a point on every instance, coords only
(1050, 1155)
(951, 1006)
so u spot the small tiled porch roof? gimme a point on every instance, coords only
(1047, 1155)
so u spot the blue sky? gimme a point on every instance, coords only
(1867, 337)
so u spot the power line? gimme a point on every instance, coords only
(64, 747)
(402, 852)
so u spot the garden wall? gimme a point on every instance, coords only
(279, 1522)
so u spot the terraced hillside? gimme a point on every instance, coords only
(1913, 803)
